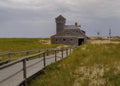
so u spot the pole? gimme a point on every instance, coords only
(55, 56)
(110, 34)
(66, 52)
(27, 53)
(9, 57)
(62, 53)
(44, 59)
(24, 72)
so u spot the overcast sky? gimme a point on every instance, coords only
(35, 18)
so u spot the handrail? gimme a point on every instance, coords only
(24, 60)
(27, 57)
(19, 60)
(22, 51)
(9, 53)
(4, 53)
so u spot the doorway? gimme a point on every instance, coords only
(80, 41)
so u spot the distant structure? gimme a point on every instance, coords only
(110, 34)
(68, 34)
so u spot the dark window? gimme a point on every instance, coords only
(76, 30)
(67, 33)
(71, 39)
(64, 39)
(56, 39)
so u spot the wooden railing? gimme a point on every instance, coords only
(9, 54)
(42, 57)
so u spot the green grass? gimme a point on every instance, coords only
(10, 44)
(16, 44)
(89, 65)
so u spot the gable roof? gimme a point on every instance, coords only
(71, 33)
(60, 17)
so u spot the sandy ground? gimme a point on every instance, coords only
(94, 75)
(45, 41)
(103, 42)
(91, 41)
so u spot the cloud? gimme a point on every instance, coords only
(96, 8)
(40, 14)
(24, 4)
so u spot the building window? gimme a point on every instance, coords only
(67, 33)
(64, 39)
(71, 39)
(56, 40)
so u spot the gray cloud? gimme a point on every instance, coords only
(35, 18)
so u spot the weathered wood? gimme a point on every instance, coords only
(62, 54)
(70, 51)
(9, 57)
(4, 53)
(27, 53)
(55, 55)
(39, 54)
(47, 52)
(44, 59)
(66, 52)
(19, 60)
(25, 66)
(4, 62)
(24, 72)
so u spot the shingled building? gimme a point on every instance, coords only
(68, 34)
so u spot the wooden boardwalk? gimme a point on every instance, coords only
(13, 74)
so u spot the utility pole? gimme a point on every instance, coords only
(109, 34)
(98, 34)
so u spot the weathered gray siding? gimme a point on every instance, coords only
(68, 34)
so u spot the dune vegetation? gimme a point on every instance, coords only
(18, 44)
(88, 65)
(10, 44)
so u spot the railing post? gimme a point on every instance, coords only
(62, 53)
(39, 54)
(27, 53)
(66, 52)
(44, 59)
(70, 50)
(9, 57)
(47, 52)
(55, 56)
(24, 72)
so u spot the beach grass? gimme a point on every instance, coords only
(88, 65)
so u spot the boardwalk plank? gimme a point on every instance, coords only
(13, 75)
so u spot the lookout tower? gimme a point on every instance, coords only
(60, 23)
